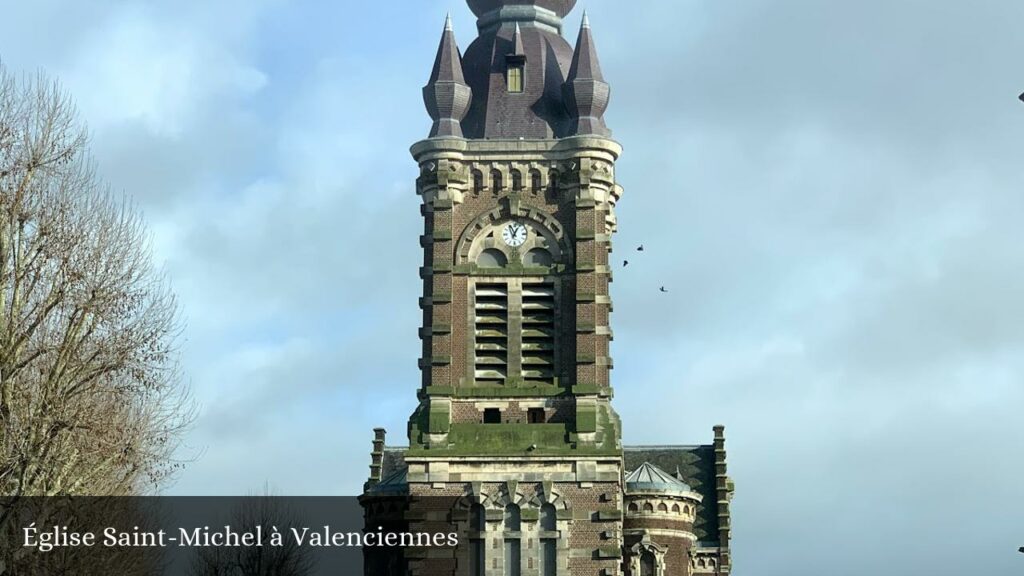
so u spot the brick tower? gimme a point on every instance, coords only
(514, 424)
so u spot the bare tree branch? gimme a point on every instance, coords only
(91, 398)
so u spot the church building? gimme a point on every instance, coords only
(515, 428)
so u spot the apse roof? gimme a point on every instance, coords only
(647, 476)
(696, 465)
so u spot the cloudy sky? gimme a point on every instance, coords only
(831, 191)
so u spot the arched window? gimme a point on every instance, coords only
(495, 181)
(535, 180)
(492, 258)
(476, 518)
(633, 507)
(548, 518)
(553, 180)
(537, 257)
(512, 545)
(662, 508)
(512, 518)
(675, 508)
(548, 540)
(478, 181)
(517, 180)
(648, 507)
(687, 509)
(476, 543)
(647, 563)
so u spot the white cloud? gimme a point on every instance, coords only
(136, 67)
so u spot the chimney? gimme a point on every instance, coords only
(377, 457)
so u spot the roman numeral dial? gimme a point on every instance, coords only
(514, 234)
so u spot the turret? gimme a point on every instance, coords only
(446, 95)
(586, 92)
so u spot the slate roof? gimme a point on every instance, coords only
(696, 465)
(650, 477)
(537, 112)
(394, 483)
(394, 459)
(562, 90)
(446, 94)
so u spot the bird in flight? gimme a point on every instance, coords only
(663, 289)
(640, 248)
(625, 263)
(1021, 97)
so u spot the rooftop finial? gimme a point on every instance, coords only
(448, 22)
(517, 42)
(586, 20)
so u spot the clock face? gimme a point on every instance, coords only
(514, 234)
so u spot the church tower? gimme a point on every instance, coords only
(514, 422)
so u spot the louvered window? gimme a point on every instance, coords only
(516, 316)
(538, 331)
(491, 351)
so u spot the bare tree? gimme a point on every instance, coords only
(288, 559)
(91, 399)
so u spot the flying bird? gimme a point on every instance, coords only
(625, 263)
(1021, 549)
(640, 248)
(663, 289)
(1021, 96)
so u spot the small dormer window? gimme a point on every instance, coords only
(515, 77)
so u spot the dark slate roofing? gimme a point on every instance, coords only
(539, 110)
(649, 477)
(394, 483)
(585, 63)
(447, 66)
(696, 465)
(446, 94)
(586, 92)
(394, 460)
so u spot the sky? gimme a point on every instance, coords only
(830, 191)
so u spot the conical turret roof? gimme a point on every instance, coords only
(585, 65)
(586, 92)
(649, 478)
(446, 94)
(448, 64)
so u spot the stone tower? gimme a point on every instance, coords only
(514, 423)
